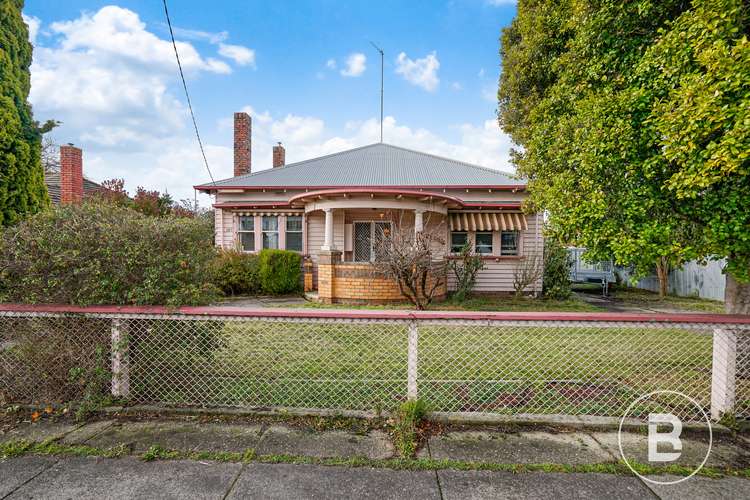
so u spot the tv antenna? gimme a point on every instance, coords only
(381, 89)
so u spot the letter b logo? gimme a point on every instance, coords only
(672, 437)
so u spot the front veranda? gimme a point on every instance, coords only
(344, 228)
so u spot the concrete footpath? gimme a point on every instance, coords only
(47, 475)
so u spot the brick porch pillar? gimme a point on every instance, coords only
(327, 261)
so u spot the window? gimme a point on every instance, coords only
(294, 232)
(509, 243)
(458, 240)
(484, 243)
(270, 231)
(246, 233)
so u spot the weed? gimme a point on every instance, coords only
(408, 418)
(156, 452)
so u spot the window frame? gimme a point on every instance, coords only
(264, 231)
(476, 242)
(241, 231)
(287, 232)
(517, 251)
(466, 240)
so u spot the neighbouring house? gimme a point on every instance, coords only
(331, 208)
(68, 185)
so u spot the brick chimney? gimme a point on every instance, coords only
(279, 155)
(71, 174)
(242, 143)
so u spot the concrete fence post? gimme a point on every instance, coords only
(723, 372)
(120, 359)
(412, 372)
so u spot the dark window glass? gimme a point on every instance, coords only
(458, 240)
(483, 243)
(509, 243)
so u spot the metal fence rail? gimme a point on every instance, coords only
(525, 363)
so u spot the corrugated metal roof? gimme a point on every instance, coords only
(52, 180)
(375, 165)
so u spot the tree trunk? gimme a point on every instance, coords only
(662, 272)
(736, 296)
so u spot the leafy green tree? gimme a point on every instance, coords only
(22, 188)
(592, 92)
(696, 79)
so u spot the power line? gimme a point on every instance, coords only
(187, 95)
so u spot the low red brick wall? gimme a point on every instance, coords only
(353, 282)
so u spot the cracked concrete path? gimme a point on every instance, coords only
(45, 476)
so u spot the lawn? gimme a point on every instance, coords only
(477, 303)
(647, 299)
(363, 366)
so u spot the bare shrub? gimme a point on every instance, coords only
(528, 271)
(410, 259)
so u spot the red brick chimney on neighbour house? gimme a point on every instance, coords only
(242, 143)
(279, 155)
(71, 174)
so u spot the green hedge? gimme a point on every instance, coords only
(236, 273)
(280, 271)
(100, 253)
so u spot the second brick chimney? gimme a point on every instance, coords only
(279, 155)
(242, 143)
(71, 174)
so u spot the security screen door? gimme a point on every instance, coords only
(366, 238)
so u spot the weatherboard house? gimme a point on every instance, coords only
(330, 209)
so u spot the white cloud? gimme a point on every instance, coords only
(420, 72)
(199, 35)
(331, 64)
(481, 73)
(306, 137)
(33, 23)
(355, 65)
(457, 86)
(108, 79)
(238, 53)
(118, 34)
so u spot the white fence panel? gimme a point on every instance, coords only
(691, 280)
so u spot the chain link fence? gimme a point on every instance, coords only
(368, 360)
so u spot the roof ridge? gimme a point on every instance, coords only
(298, 163)
(480, 167)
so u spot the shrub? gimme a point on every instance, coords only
(280, 271)
(100, 253)
(466, 268)
(556, 270)
(235, 272)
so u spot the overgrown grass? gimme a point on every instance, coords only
(501, 369)
(475, 303)
(647, 299)
(19, 448)
(405, 433)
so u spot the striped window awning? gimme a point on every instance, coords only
(485, 221)
(246, 213)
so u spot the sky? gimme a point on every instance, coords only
(305, 71)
